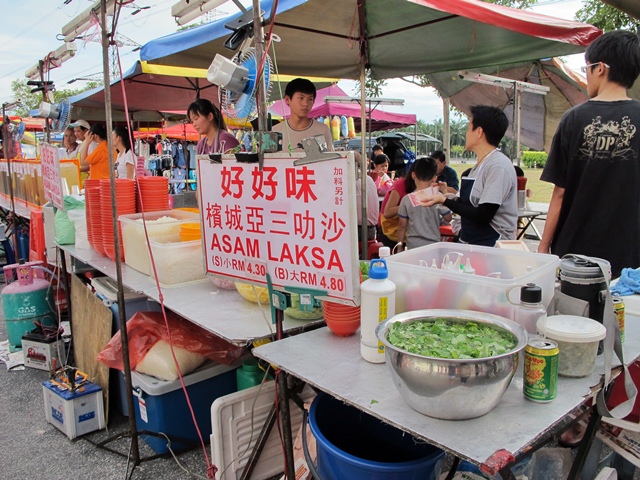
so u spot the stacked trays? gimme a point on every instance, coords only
(94, 214)
(342, 320)
(154, 194)
(125, 205)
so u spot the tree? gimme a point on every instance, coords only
(372, 88)
(606, 17)
(21, 92)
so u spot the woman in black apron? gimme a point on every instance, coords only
(473, 232)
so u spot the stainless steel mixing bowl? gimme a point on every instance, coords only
(452, 389)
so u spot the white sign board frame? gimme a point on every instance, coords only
(297, 223)
(51, 178)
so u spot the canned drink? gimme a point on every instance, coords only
(541, 370)
(618, 309)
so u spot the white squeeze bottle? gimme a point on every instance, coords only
(377, 303)
(530, 308)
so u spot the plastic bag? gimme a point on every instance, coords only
(79, 218)
(65, 231)
(144, 329)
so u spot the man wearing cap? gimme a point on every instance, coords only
(98, 160)
(81, 129)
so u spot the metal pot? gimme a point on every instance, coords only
(452, 389)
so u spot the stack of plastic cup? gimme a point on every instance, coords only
(93, 213)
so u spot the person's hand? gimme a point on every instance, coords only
(442, 186)
(433, 200)
(544, 247)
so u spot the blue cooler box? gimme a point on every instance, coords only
(161, 406)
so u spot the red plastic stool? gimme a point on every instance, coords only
(36, 237)
(446, 233)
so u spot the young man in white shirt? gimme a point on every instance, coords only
(299, 96)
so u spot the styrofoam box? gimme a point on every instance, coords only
(161, 406)
(136, 252)
(419, 286)
(76, 413)
(178, 262)
(232, 430)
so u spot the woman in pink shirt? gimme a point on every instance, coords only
(208, 121)
(391, 204)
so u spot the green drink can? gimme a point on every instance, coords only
(541, 370)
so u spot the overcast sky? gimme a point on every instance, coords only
(31, 27)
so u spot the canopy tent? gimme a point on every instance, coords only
(540, 114)
(182, 131)
(328, 37)
(377, 119)
(154, 92)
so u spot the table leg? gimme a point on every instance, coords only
(526, 226)
(285, 422)
(585, 446)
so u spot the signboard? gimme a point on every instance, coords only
(297, 223)
(51, 179)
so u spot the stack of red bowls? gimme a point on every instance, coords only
(342, 320)
(154, 194)
(94, 214)
(125, 205)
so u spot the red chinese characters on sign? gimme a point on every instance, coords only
(51, 180)
(293, 222)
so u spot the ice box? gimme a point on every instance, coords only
(161, 406)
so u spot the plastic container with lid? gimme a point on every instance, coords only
(577, 339)
(582, 278)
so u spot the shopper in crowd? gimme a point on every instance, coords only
(208, 121)
(388, 225)
(98, 160)
(596, 149)
(70, 144)
(126, 161)
(299, 97)
(487, 204)
(380, 175)
(373, 206)
(419, 225)
(375, 151)
(446, 174)
(81, 129)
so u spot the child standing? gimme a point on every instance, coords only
(421, 224)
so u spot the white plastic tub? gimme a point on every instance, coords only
(577, 339)
(419, 287)
(178, 262)
(165, 222)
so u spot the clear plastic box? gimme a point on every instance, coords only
(136, 250)
(419, 286)
(178, 262)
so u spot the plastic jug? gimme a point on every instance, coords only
(250, 374)
(378, 302)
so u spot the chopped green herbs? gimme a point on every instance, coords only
(442, 338)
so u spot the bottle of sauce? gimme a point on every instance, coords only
(377, 303)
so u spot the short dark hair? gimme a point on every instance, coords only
(204, 107)
(380, 159)
(620, 50)
(377, 146)
(439, 155)
(425, 168)
(493, 121)
(300, 85)
(99, 129)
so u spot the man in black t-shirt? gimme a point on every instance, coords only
(594, 162)
(445, 172)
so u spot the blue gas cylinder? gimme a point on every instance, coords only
(25, 300)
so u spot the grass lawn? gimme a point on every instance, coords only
(540, 191)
